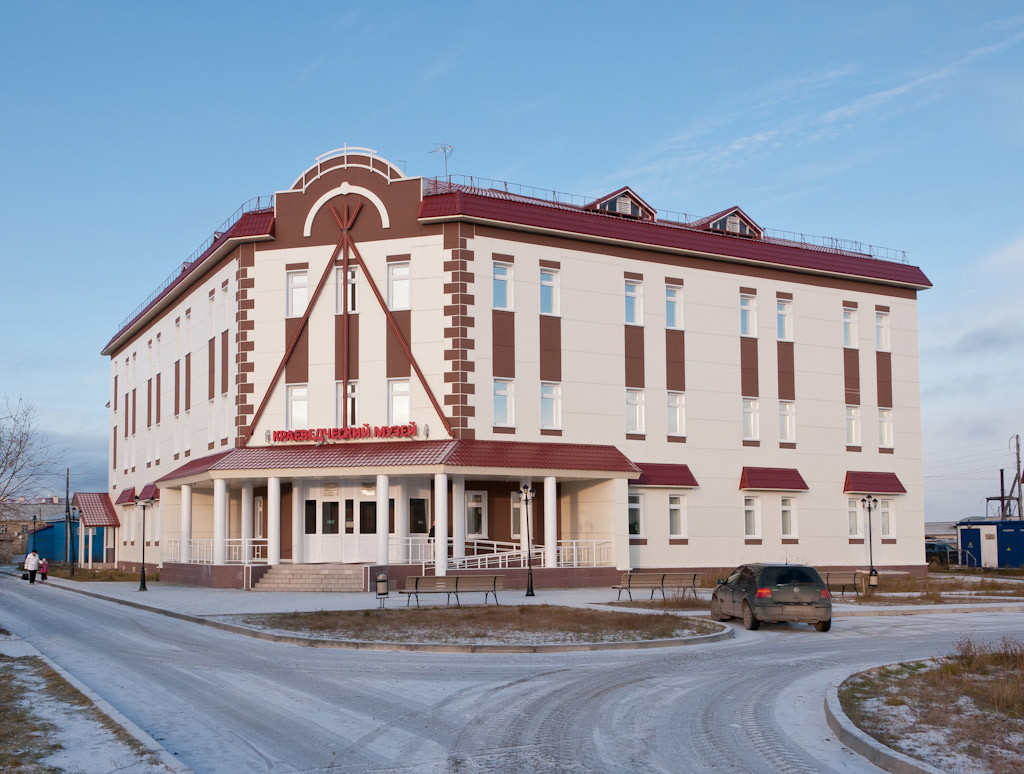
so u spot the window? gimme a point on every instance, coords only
(788, 517)
(298, 407)
(849, 327)
(787, 421)
(634, 411)
(367, 518)
(344, 290)
(504, 403)
(398, 401)
(635, 515)
(310, 520)
(784, 319)
(549, 300)
(502, 286)
(634, 303)
(853, 425)
(748, 315)
(751, 517)
(353, 403)
(882, 332)
(885, 436)
(853, 516)
(674, 307)
(750, 420)
(517, 511)
(885, 516)
(550, 405)
(476, 514)
(676, 413)
(330, 524)
(298, 293)
(676, 516)
(398, 286)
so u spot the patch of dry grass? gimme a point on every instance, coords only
(25, 739)
(500, 624)
(670, 602)
(105, 574)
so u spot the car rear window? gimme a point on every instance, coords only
(783, 576)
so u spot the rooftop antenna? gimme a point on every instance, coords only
(446, 150)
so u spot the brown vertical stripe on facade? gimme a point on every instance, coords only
(353, 346)
(398, 365)
(177, 387)
(748, 367)
(149, 403)
(127, 409)
(297, 369)
(158, 399)
(115, 395)
(634, 345)
(113, 450)
(188, 381)
(286, 521)
(211, 371)
(133, 410)
(550, 348)
(224, 363)
(883, 366)
(851, 375)
(503, 343)
(787, 373)
(675, 360)
(352, 350)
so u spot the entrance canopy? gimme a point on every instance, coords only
(95, 509)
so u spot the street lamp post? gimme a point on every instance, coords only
(526, 495)
(871, 503)
(142, 569)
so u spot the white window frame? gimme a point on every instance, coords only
(343, 290)
(852, 426)
(680, 506)
(635, 501)
(887, 518)
(294, 282)
(505, 388)
(791, 509)
(296, 395)
(553, 281)
(674, 307)
(482, 503)
(854, 522)
(748, 315)
(850, 327)
(751, 420)
(508, 279)
(635, 412)
(886, 431)
(516, 509)
(555, 396)
(339, 399)
(398, 388)
(676, 407)
(787, 421)
(634, 289)
(399, 277)
(784, 319)
(752, 507)
(883, 332)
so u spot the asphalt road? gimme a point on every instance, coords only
(227, 703)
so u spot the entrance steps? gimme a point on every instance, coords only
(311, 577)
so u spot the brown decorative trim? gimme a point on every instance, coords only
(296, 266)
(633, 346)
(748, 291)
(678, 541)
(296, 366)
(675, 281)
(149, 464)
(223, 441)
(550, 348)
(503, 430)
(676, 438)
(888, 541)
(786, 445)
(752, 443)
(551, 432)
(503, 343)
(881, 308)
(635, 437)
(851, 376)
(884, 450)
(397, 363)
(176, 455)
(787, 371)
(853, 448)
(638, 541)
(500, 258)
(632, 275)
(849, 304)
(883, 376)
(213, 292)
(790, 541)
(545, 264)
(398, 258)
(752, 541)
(748, 367)
(856, 541)
(209, 445)
(675, 360)
(188, 452)
(784, 296)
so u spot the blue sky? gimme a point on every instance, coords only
(132, 130)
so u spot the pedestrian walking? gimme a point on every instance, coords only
(32, 566)
(44, 567)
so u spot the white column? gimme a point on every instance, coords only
(524, 514)
(186, 524)
(383, 517)
(402, 520)
(459, 517)
(550, 523)
(298, 528)
(440, 523)
(82, 530)
(273, 521)
(92, 538)
(247, 501)
(619, 488)
(220, 519)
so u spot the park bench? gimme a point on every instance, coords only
(451, 584)
(842, 580)
(658, 581)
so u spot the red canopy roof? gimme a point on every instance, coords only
(95, 509)
(664, 474)
(782, 479)
(864, 482)
(149, 490)
(127, 497)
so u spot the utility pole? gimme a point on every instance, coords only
(69, 544)
(1015, 497)
(1015, 439)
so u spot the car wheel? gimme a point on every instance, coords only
(933, 562)
(749, 619)
(823, 626)
(716, 610)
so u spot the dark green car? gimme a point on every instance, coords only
(771, 593)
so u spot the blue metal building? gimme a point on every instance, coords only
(991, 542)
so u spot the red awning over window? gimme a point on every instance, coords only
(662, 474)
(149, 490)
(95, 509)
(127, 497)
(781, 479)
(864, 482)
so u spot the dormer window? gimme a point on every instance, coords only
(621, 205)
(732, 221)
(624, 202)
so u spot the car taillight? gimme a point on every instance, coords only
(825, 594)
(763, 594)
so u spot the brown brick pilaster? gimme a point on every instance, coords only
(460, 344)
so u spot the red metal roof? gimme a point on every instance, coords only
(457, 453)
(95, 509)
(478, 203)
(664, 474)
(865, 482)
(782, 479)
(149, 490)
(127, 497)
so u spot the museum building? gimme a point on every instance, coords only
(586, 386)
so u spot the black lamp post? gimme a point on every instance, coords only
(871, 503)
(142, 569)
(526, 497)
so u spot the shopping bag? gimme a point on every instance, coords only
(24, 576)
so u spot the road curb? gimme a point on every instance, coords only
(979, 608)
(862, 743)
(406, 647)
